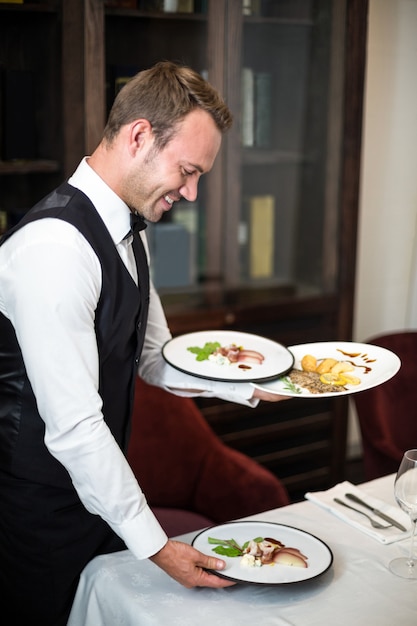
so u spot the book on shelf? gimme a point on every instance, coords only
(120, 82)
(300, 9)
(248, 107)
(122, 75)
(256, 108)
(185, 6)
(186, 214)
(170, 6)
(263, 88)
(251, 7)
(116, 78)
(178, 6)
(3, 221)
(174, 247)
(261, 236)
(169, 246)
(165, 6)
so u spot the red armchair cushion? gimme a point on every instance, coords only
(180, 462)
(179, 522)
(387, 414)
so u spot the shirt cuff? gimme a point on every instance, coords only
(142, 535)
(191, 386)
(232, 392)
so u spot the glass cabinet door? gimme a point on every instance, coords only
(284, 82)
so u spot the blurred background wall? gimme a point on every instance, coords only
(386, 291)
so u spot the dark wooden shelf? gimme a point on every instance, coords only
(279, 21)
(27, 7)
(154, 15)
(259, 156)
(41, 166)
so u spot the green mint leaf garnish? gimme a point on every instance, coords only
(223, 551)
(204, 352)
(230, 547)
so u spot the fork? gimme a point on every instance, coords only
(373, 521)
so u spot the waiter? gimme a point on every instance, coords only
(78, 319)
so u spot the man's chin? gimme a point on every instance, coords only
(153, 216)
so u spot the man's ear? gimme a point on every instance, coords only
(140, 135)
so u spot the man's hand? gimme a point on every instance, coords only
(268, 397)
(187, 565)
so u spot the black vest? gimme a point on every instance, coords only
(120, 325)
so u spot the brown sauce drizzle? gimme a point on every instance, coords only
(351, 354)
(364, 357)
(244, 367)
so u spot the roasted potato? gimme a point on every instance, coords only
(309, 363)
(326, 366)
(342, 366)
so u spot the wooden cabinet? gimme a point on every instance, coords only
(271, 241)
(30, 104)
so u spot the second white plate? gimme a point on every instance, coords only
(373, 365)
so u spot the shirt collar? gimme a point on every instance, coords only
(113, 211)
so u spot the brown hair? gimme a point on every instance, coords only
(164, 95)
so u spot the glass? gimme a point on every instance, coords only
(405, 490)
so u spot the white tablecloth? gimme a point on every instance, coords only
(358, 590)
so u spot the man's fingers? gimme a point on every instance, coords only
(210, 562)
(260, 394)
(208, 578)
(189, 566)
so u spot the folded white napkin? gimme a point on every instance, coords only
(391, 534)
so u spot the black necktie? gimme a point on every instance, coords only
(137, 223)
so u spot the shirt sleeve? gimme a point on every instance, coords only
(52, 308)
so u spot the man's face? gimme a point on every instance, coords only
(159, 178)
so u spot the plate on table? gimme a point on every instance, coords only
(319, 556)
(372, 366)
(277, 360)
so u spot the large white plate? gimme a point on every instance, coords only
(319, 555)
(373, 365)
(278, 359)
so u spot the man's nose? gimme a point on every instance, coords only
(189, 190)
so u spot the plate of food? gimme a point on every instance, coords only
(265, 552)
(228, 356)
(333, 368)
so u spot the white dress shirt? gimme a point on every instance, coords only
(50, 283)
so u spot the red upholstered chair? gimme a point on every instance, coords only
(190, 478)
(387, 414)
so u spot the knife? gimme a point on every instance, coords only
(387, 518)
